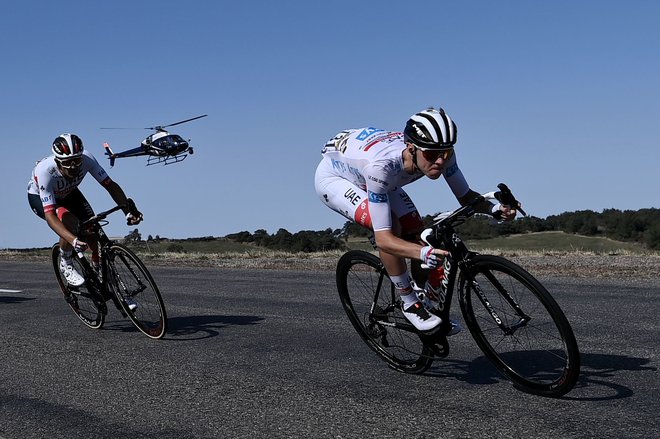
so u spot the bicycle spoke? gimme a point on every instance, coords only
(373, 307)
(136, 291)
(83, 302)
(519, 326)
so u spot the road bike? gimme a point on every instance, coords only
(512, 317)
(120, 276)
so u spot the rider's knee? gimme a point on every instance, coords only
(69, 220)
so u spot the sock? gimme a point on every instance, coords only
(409, 299)
(66, 255)
(402, 281)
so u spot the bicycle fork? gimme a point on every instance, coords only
(506, 329)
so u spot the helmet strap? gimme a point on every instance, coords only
(414, 160)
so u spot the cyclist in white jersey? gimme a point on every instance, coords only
(361, 176)
(54, 196)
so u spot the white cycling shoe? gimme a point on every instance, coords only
(420, 317)
(70, 274)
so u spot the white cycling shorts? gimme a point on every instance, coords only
(348, 199)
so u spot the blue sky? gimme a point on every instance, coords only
(561, 100)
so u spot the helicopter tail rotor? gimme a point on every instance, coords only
(111, 155)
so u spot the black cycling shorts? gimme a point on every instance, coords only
(75, 202)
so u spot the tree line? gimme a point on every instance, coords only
(641, 226)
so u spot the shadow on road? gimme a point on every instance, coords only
(600, 375)
(199, 327)
(14, 299)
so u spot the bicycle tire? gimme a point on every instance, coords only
(382, 325)
(129, 278)
(84, 303)
(540, 355)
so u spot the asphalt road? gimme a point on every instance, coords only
(264, 353)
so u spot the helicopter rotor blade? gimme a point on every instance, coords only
(180, 122)
(157, 127)
(123, 128)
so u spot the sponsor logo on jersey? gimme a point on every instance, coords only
(362, 215)
(394, 167)
(385, 138)
(345, 167)
(451, 170)
(377, 198)
(406, 200)
(353, 197)
(365, 133)
(378, 180)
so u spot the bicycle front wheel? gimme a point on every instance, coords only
(373, 307)
(519, 326)
(86, 305)
(136, 291)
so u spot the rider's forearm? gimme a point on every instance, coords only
(483, 207)
(117, 193)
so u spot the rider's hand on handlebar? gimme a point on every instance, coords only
(133, 218)
(431, 257)
(133, 215)
(504, 213)
(79, 246)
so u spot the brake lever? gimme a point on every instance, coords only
(505, 197)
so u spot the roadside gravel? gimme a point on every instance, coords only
(564, 264)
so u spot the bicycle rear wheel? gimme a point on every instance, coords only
(519, 326)
(83, 302)
(373, 307)
(132, 284)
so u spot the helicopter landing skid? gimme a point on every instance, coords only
(166, 160)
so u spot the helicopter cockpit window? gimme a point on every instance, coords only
(163, 142)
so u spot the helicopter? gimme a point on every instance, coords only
(160, 147)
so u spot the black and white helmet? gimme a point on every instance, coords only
(67, 146)
(431, 129)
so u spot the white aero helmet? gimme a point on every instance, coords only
(431, 129)
(67, 146)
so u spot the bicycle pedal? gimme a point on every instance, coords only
(440, 349)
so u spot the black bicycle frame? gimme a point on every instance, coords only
(92, 229)
(444, 236)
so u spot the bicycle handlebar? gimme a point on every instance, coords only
(504, 196)
(130, 206)
(101, 216)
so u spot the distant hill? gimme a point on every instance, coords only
(610, 230)
(557, 241)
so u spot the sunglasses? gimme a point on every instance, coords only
(71, 163)
(432, 155)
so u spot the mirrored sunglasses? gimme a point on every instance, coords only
(71, 163)
(432, 155)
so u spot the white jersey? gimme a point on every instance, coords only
(372, 159)
(48, 182)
